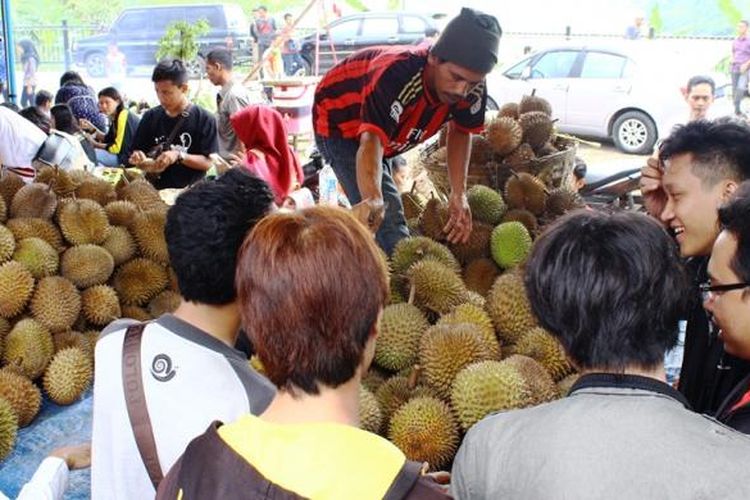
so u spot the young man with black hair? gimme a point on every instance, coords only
(191, 374)
(700, 166)
(174, 140)
(614, 434)
(727, 300)
(383, 101)
(231, 98)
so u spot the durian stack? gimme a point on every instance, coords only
(75, 254)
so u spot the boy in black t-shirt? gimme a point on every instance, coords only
(173, 140)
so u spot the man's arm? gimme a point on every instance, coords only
(369, 177)
(459, 223)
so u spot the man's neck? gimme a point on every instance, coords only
(656, 372)
(221, 322)
(339, 405)
(178, 110)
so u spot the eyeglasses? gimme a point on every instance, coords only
(708, 291)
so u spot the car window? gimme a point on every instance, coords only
(516, 71)
(347, 29)
(380, 27)
(603, 65)
(212, 15)
(557, 64)
(164, 17)
(132, 21)
(412, 24)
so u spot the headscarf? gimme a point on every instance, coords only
(262, 128)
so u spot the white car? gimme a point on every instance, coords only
(630, 95)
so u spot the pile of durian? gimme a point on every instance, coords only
(459, 340)
(76, 253)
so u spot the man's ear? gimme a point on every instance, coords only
(432, 60)
(684, 92)
(729, 188)
(184, 88)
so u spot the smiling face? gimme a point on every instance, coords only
(692, 206)
(450, 82)
(730, 309)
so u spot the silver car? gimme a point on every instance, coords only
(629, 95)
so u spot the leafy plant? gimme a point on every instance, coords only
(180, 40)
(655, 20)
(730, 11)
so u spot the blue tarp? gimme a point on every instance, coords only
(55, 426)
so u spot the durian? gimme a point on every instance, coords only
(148, 230)
(538, 380)
(509, 308)
(135, 312)
(68, 375)
(562, 200)
(426, 431)
(401, 328)
(16, 287)
(22, 394)
(477, 246)
(526, 191)
(56, 303)
(29, 348)
(539, 345)
(34, 200)
(166, 302)
(87, 265)
(38, 256)
(504, 135)
(437, 288)
(37, 228)
(95, 189)
(121, 212)
(8, 427)
(100, 304)
(487, 205)
(83, 222)
(370, 416)
(142, 193)
(520, 157)
(416, 248)
(474, 315)
(480, 274)
(537, 128)
(7, 243)
(509, 110)
(139, 281)
(433, 220)
(510, 244)
(534, 103)
(120, 245)
(10, 184)
(525, 217)
(481, 150)
(396, 391)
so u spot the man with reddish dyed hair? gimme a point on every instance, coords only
(315, 337)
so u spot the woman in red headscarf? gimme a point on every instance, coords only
(268, 154)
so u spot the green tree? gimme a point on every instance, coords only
(730, 11)
(655, 20)
(180, 40)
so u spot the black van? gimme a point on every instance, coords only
(137, 32)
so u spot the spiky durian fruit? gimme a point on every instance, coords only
(29, 348)
(16, 286)
(10, 184)
(68, 375)
(477, 246)
(69, 338)
(142, 193)
(7, 243)
(396, 391)
(509, 110)
(97, 190)
(509, 308)
(523, 216)
(520, 157)
(526, 191)
(58, 179)
(487, 205)
(415, 248)
(37, 228)
(166, 302)
(120, 245)
(3, 210)
(22, 394)
(413, 205)
(504, 135)
(401, 328)
(481, 150)
(135, 312)
(148, 230)
(34, 200)
(56, 303)
(538, 380)
(8, 428)
(486, 387)
(38, 256)
(547, 149)
(565, 385)
(100, 304)
(534, 103)
(445, 350)
(437, 288)
(121, 212)
(370, 416)
(433, 219)
(426, 431)
(539, 345)
(87, 265)
(477, 316)
(480, 274)
(562, 200)
(4, 329)
(83, 222)
(510, 244)
(139, 281)
(537, 128)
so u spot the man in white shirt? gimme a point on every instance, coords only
(191, 374)
(20, 141)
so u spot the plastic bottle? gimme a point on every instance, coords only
(327, 187)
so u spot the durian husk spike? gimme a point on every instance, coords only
(412, 294)
(515, 174)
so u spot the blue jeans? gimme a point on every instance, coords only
(106, 158)
(341, 154)
(739, 88)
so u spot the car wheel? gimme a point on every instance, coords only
(197, 67)
(95, 64)
(491, 105)
(634, 133)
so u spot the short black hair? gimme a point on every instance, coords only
(71, 77)
(36, 117)
(720, 149)
(261, 7)
(43, 97)
(579, 168)
(287, 15)
(221, 56)
(610, 286)
(64, 118)
(734, 217)
(700, 80)
(205, 229)
(172, 70)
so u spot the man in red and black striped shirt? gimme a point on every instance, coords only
(382, 101)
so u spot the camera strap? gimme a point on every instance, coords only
(178, 126)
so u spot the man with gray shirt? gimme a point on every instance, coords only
(231, 98)
(610, 288)
(190, 374)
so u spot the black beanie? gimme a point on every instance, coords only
(470, 40)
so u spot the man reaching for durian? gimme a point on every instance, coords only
(380, 102)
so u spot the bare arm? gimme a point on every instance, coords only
(459, 224)
(370, 210)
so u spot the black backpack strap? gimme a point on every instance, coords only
(404, 481)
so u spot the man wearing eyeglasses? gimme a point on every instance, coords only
(701, 165)
(726, 297)
(383, 101)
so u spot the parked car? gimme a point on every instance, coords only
(137, 32)
(350, 33)
(620, 93)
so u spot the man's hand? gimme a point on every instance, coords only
(165, 159)
(370, 212)
(654, 196)
(459, 223)
(76, 457)
(137, 157)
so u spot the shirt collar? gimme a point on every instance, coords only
(624, 381)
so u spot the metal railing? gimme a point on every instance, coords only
(54, 42)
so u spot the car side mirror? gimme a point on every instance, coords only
(526, 73)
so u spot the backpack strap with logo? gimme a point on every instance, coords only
(135, 400)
